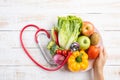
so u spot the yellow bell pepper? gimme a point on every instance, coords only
(78, 61)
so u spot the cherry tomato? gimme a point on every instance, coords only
(93, 52)
(69, 52)
(58, 51)
(64, 53)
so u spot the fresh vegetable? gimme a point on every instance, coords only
(93, 52)
(58, 59)
(75, 46)
(69, 52)
(87, 28)
(58, 51)
(50, 44)
(68, 30)
(78, 61)
(53, 49)
(54, 34)
(62, 52)
(65, 53)
(84, 42)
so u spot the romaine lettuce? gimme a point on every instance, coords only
(68, 30)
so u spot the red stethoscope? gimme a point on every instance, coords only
(43, 53)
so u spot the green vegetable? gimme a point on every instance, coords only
(53, 49)
(68, 30)
(50, 44)
(53, 34)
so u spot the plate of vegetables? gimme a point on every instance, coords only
(73, 35)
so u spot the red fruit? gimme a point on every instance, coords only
(69, 52)
(65, 53)
(87, 28)
(56, 37)
(58, 51)
(93, 52)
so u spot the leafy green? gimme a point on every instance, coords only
(68, 30)
(53, 49)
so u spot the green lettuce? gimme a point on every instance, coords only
(69, 29)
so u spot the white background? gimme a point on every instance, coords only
(15, 14)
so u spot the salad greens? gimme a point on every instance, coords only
(68, 30)
(52, 47)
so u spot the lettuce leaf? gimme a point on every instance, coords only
(68, 30)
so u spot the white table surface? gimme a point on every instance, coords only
(14, 14)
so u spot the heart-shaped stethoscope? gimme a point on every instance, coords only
(42, 51)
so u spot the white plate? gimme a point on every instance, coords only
(50, 57)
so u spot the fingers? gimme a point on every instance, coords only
(105, 53)
(101, 52)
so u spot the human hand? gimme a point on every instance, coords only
(99, 65)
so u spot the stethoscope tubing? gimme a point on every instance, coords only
(28, 54)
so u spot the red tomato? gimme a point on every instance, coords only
(69, 52)
(93, 52)
(64, 53)
(58, 51)
(87, 28)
